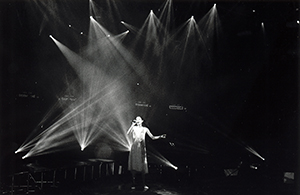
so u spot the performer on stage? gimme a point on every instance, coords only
(137, 161)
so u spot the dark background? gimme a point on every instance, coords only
(249, 96)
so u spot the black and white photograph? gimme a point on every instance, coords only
(154, 97)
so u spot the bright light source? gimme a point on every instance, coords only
(254, 152)
(297, 21)
(81, 33)
(162, 159)
(70, 25)
(19, 150)
(127, 31)
(122, 22)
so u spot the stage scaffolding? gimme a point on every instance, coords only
(37, 178)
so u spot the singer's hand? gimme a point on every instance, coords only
(163, 136)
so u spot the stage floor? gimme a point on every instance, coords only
(122, 186)
(161, 181)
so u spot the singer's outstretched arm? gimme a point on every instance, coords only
(155, 137)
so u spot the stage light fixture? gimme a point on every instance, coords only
(254, 152)
(177, 107)
(172, 166)
(142, 104)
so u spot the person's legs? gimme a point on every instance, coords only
(133, 173)
(143, 182)
(138, 181)
(143, 179)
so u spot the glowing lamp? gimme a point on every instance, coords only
(18, 150)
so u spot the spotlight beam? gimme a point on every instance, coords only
(52, 143)
(162, 159)
(85, 138)
(130, 27)
(238, 141)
